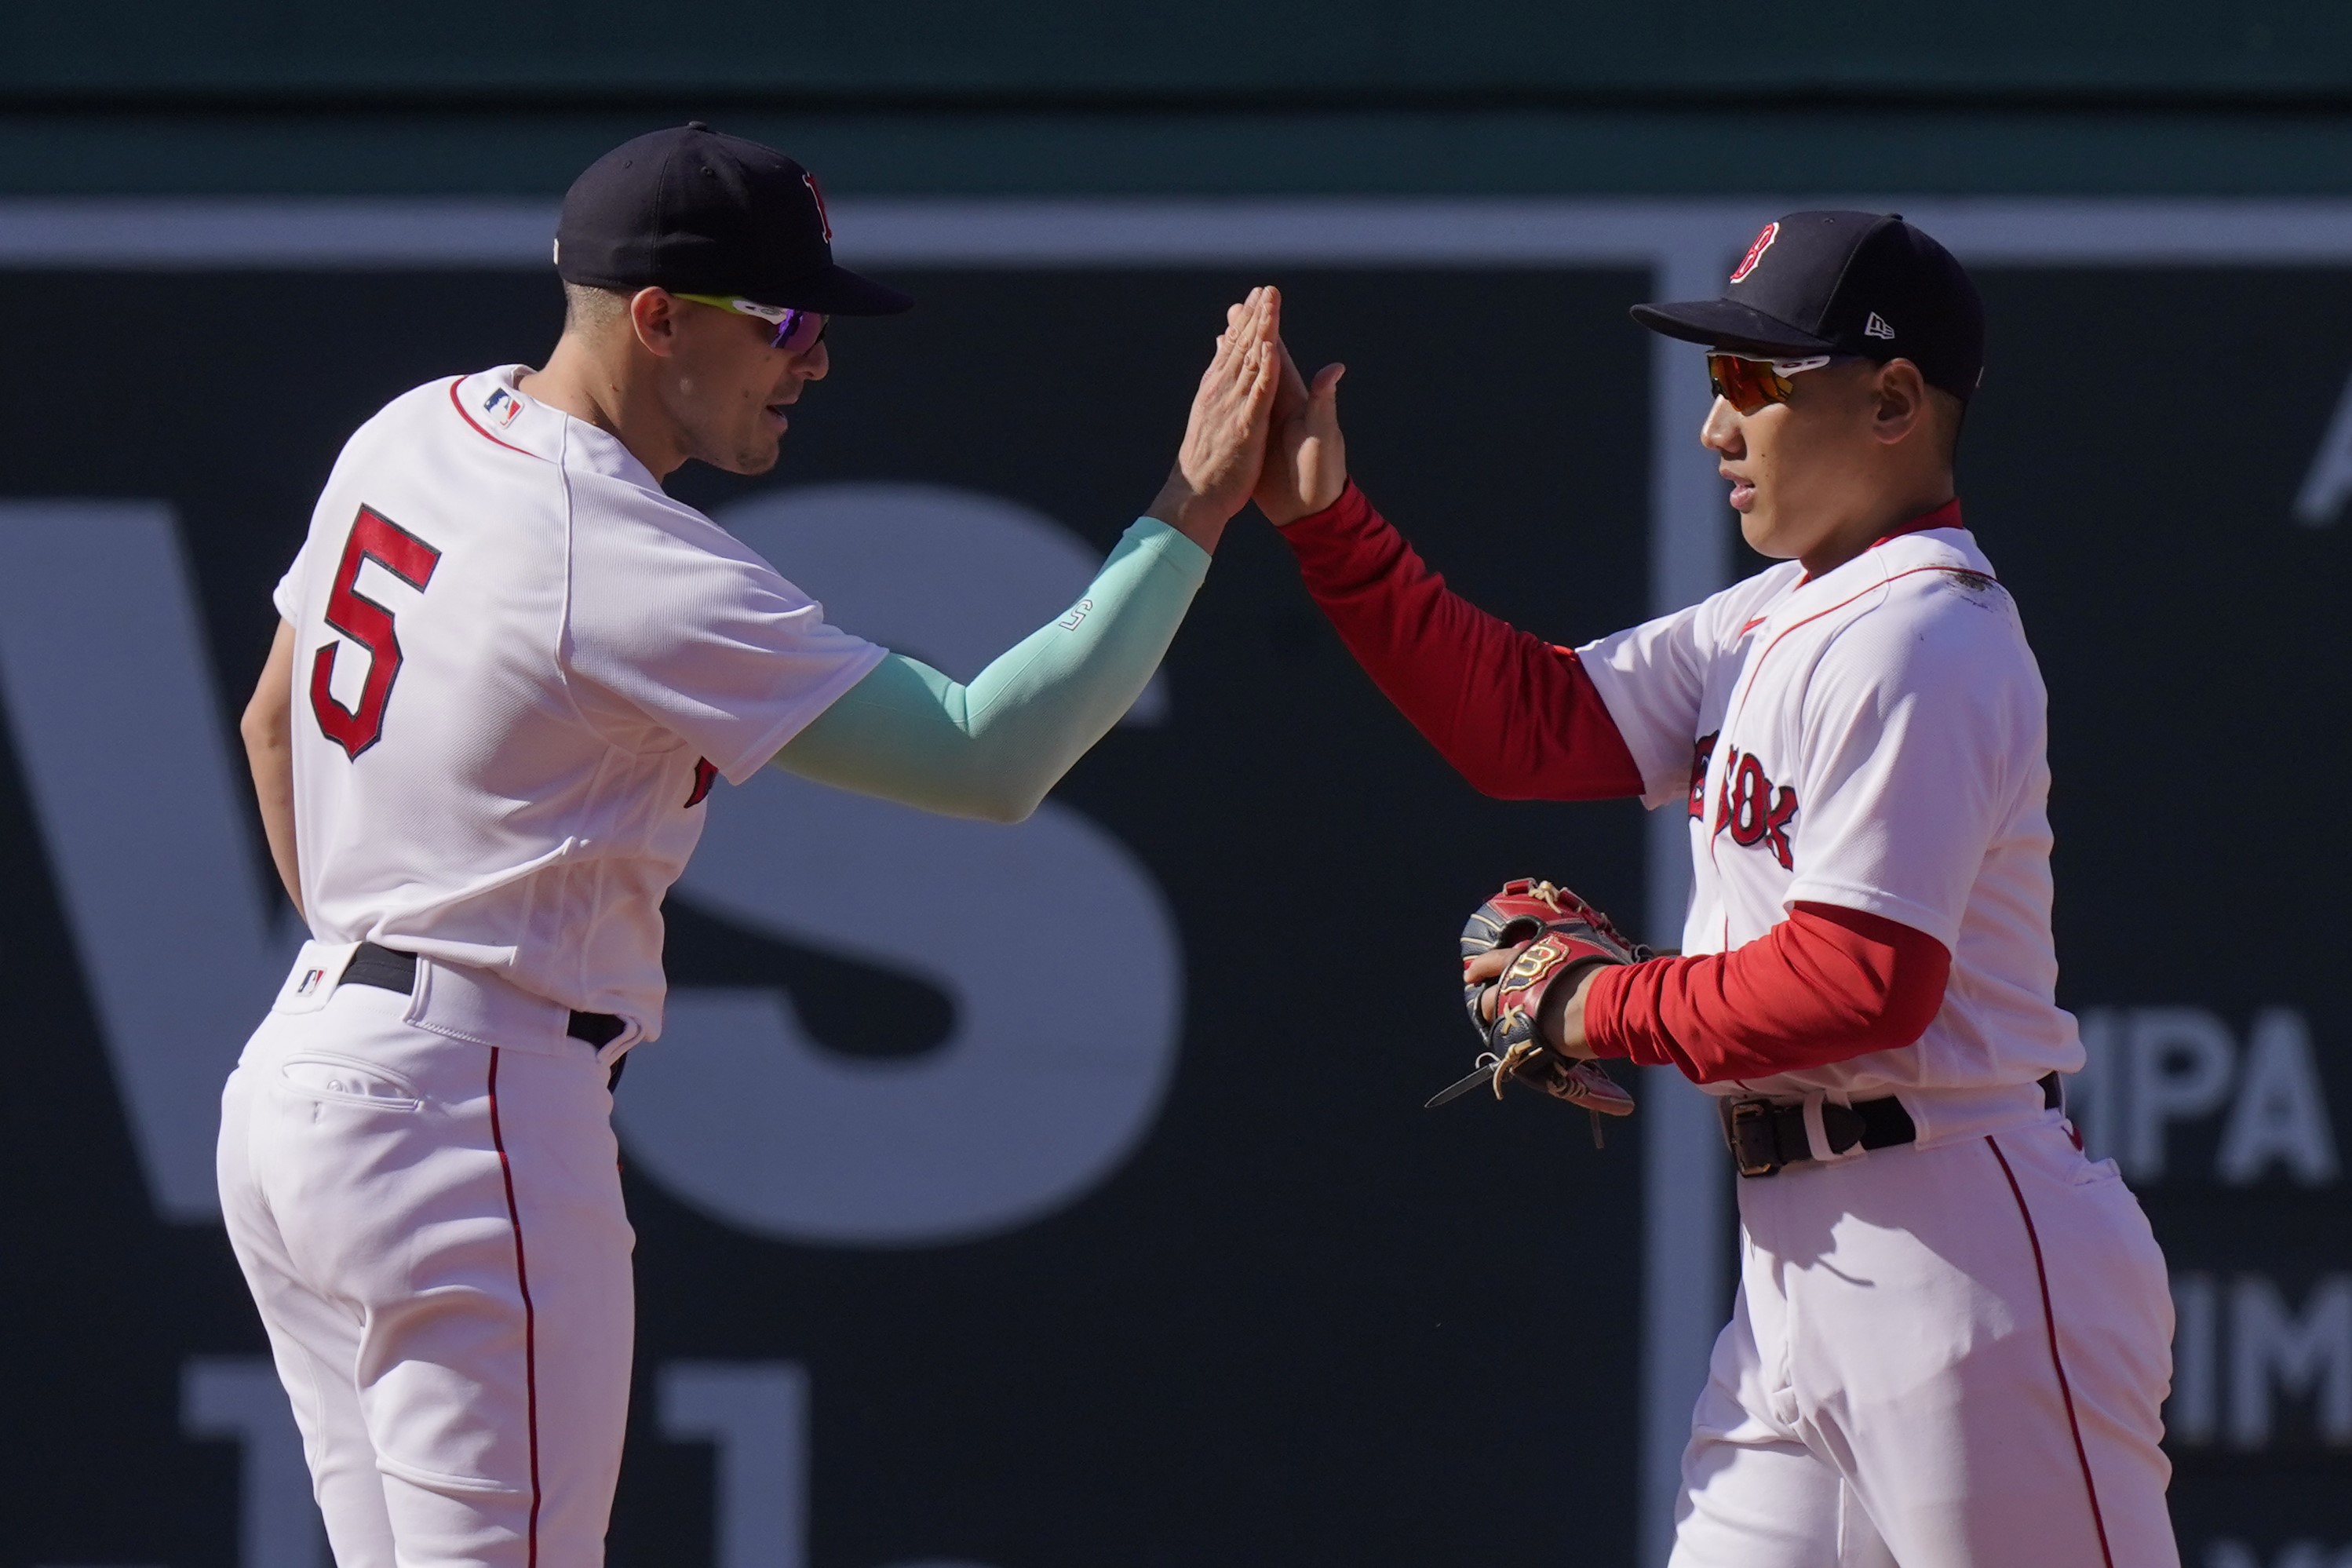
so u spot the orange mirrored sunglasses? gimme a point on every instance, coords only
(1748, 385)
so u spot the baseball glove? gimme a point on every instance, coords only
(1563, 937)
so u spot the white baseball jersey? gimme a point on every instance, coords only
(1874, 738)
(1952, 1352)
(517, 666)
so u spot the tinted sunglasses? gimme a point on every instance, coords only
(1748, 385)
(797, 332)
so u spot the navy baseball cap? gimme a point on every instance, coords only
(696, 212)
(1842, 283)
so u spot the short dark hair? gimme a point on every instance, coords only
(587, 307)
(1957, 413)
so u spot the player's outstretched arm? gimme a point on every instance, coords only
(1516, 716)
(992, 749)
(267, 728)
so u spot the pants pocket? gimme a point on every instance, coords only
(346, 1080)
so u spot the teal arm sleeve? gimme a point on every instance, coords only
(993, 748)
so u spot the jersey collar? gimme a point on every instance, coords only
(494, 412)
(1945, 516)
(1937, 540)
(489, 401)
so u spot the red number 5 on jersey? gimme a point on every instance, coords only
(374, 537)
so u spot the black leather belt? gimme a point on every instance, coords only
(389, 969)
(1766, 1137)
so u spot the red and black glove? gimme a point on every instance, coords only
(1557, 936)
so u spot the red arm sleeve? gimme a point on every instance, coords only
(1825, 984)
(1517, 716)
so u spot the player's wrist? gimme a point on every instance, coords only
(1292, 505)
(1285, 508)
(1199, 517)
(1559, 1021)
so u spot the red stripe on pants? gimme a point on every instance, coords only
(2050, 1323)
(530, 1323)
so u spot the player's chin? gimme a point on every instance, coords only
(753, 454)
(1756, 528)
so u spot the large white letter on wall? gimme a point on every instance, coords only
(150, 836)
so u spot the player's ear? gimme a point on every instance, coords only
(652, 316)
(1899, 404)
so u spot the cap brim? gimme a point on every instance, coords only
(835, 291)
(1728, 324)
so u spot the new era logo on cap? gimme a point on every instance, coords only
(1877, 326)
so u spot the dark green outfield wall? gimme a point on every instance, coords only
(1221, 95)
(1082, 49)
(1495, 151)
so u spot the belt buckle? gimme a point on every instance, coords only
(1747, 1130)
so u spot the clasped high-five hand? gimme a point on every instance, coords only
(1258, 432)
(1305, 457)
(1225, 441)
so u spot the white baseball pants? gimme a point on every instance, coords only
(1941, 1356)
(432, 1228)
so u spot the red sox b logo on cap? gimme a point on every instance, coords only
(824, 222)
(1754, 252)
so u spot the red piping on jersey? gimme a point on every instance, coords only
(1945, 516)
(529, 1319)
(1748, 686)
(1829, 610)
(484, 435)
(2050, 1324)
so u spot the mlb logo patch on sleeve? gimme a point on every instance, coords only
(501, 406)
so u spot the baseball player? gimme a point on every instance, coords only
(1951, 1338)
(509, 669)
